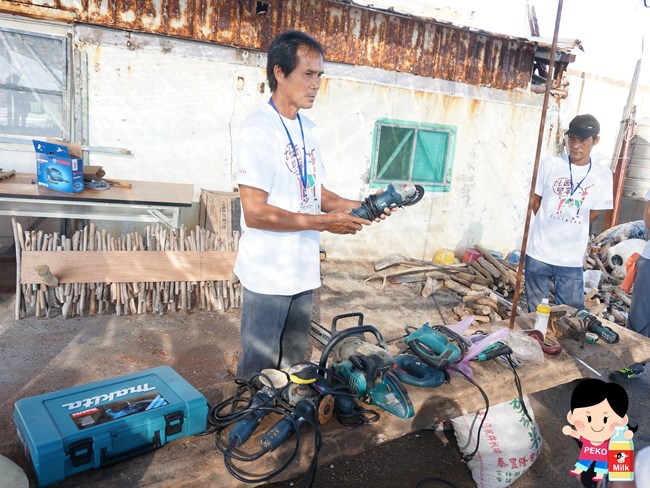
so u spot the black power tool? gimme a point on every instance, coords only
(396, 195)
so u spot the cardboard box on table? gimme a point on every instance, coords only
(59, 166)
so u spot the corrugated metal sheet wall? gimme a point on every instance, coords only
(352, 35)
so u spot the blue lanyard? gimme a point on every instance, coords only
(302, 168)
(573, 190)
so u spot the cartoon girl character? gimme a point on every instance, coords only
(597, 408)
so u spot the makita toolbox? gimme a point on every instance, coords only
(93, 425)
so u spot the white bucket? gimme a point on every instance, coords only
(618, 254)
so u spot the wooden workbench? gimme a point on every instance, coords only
(448, 401)
(143, 201)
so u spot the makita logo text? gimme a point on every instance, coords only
(97, 400)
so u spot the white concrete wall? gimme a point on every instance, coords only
(177, 105)
(494, 153)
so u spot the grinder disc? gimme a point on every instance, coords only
(273, 378)
(325, 409)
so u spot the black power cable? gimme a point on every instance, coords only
(240, 406)
(469, 457)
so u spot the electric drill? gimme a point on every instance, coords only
(596, 326)
(245, 427)
(395, 195)
(265, 397)
(280, 432)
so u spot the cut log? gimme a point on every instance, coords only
(495, 262)
(475, 265)
(474, 278)
(482, 309)
(43, 271)
(590, 294)
(461, 281)
(430, 287)
(618, 316)
(488, 302)
(457, 287)
(489, 267)
(622, 296)
(599, 263)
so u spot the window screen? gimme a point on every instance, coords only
(420, 153)
(33, 84)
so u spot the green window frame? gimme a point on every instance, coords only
(414, 152)
(35, 92)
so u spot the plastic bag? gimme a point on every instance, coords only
(478, 347)
(592, 279)
(524, 347)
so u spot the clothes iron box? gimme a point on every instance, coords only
(59, 166)
(93, 425)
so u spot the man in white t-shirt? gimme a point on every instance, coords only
(639, 318)
(570, 192)
(285, 206)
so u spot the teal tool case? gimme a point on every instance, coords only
(93, 425)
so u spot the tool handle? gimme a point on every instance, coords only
(281, 431)
(336, 338)
(245, 427)
(411, 371)
(494, 352)
(335, 320)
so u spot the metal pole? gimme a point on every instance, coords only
(540, 138)
(620, 158)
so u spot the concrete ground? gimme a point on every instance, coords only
(47, 354)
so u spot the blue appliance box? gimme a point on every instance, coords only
(89, 426)
(57, 169)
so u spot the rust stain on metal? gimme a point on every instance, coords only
(351, 34)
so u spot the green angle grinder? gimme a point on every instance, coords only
(366, 368)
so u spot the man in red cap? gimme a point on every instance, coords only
(570, 192)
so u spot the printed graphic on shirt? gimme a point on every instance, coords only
(569, 205)
(293, 161)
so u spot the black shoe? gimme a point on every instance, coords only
(629, 373)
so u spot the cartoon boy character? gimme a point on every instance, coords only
(597, 408)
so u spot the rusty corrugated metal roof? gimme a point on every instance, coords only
(351, 34)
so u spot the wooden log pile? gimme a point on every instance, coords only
(485, 288)
(482, 285)
(123, 298)
(613, 302)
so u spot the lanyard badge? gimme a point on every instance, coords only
(573, 190)
(302, 168)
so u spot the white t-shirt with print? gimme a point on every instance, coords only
(559, 232)
(272, 262)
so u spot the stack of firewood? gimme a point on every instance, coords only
(483, 285)
(78, 299)
(484, 288)
(613, 302)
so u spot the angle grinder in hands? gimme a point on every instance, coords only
(395, 195)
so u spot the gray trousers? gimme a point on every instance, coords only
(274, 331)
(639, 318)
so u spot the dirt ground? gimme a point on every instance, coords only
(47, 354)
